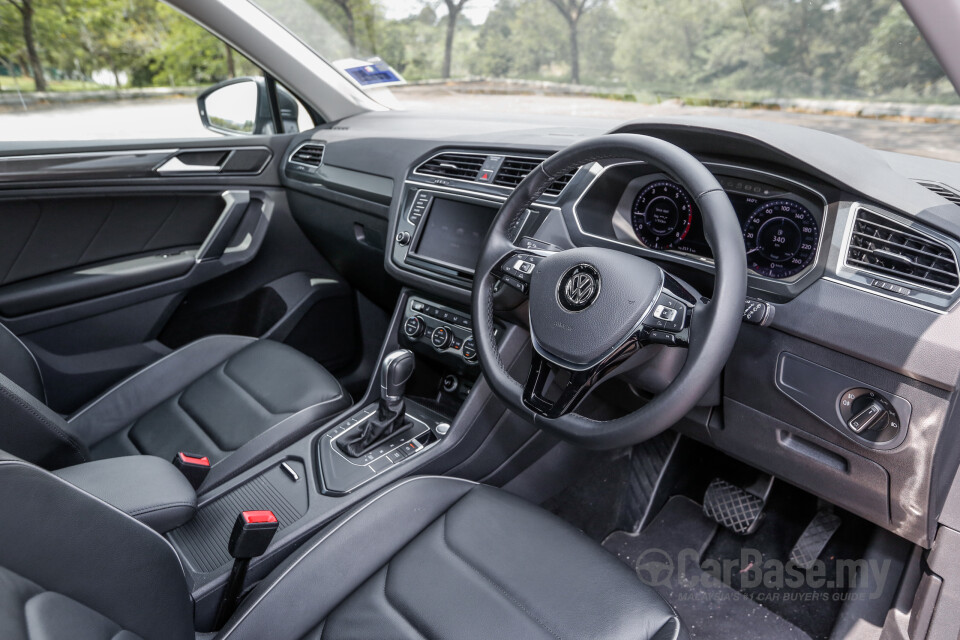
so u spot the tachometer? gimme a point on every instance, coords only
(662, 214)
(781, 238)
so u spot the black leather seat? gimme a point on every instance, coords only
(426, 558)
(210, 397)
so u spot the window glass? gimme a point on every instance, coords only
(114, 69)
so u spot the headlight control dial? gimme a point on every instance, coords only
(869, 415)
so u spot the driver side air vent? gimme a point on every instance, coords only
(460, 166)
(890, 249)
(310, 155)
(514, 170)
(941, 190)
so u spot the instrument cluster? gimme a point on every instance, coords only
(780, 231)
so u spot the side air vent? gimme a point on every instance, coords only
(310, 155)
(460, 166)
(941, 190)
(890, 249)
(514, 170)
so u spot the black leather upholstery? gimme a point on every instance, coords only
(211, 397)
(72, 566)
(427, 557)
(445, 558)
(217, 394)
(19, 365)
(150, 489)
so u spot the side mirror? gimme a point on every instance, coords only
(241, 106)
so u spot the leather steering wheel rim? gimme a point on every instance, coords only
(714, 325)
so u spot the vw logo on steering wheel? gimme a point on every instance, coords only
(579, 287)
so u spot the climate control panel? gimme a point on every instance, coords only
(444, 330)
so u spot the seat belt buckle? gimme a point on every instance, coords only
(193, 466)
(252, 533)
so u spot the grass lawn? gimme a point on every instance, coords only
(26, 84)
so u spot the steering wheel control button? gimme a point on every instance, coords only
(668, 315)
(665, 313)
(662, 337)
(441, 338)
(520, 266)
(516, 283)
(414, 327)
(579, 287)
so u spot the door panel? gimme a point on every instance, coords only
(99, 249)
(42, 236)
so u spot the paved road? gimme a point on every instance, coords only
(172, 118)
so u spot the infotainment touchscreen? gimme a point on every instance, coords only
(453, 232)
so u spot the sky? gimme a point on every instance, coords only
(475, 10)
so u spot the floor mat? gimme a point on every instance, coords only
(615, 489)
(666, 555)
(789, 510)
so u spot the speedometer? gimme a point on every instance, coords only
(781, 238)
(662, 214)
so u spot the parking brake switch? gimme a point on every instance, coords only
(252, 533)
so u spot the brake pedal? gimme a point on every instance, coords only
(739, 510)
(814, 539)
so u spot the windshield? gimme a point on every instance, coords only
(858, 68)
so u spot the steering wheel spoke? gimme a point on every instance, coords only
(573, 384)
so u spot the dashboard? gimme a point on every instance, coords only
(855, 250)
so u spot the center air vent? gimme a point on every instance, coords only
(514, 170)
(887, 248)
(460, 166)
(310, 155)
(475, 167)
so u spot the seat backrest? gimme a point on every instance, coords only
(28, 428)
(73, 566)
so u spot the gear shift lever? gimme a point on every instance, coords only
(390, 419)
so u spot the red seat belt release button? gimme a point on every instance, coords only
(252, 533)
(193, 466)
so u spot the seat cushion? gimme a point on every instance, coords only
(210, 397)
(445, 558)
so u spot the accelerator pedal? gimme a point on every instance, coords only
(737, 509)
(814, 539)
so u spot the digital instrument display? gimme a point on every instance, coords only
(780, 234)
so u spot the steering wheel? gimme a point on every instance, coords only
(592, 309)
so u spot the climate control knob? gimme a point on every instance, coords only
(469, 350)
(414, 327)
(441, 338)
